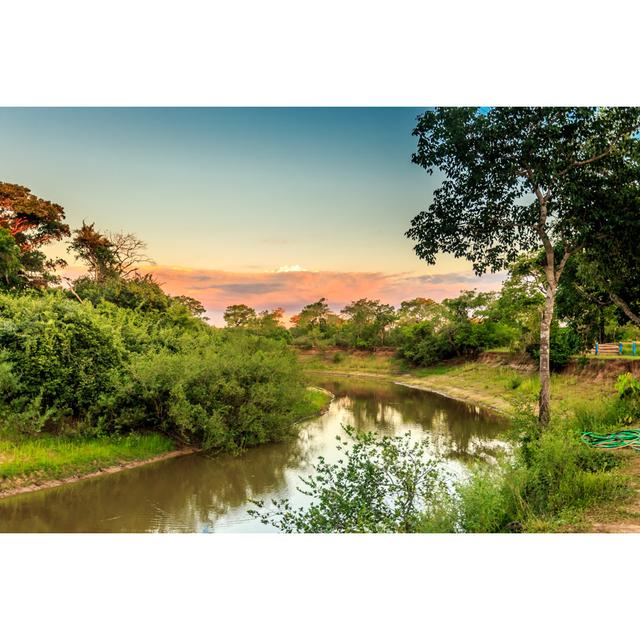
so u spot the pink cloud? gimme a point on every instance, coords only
(293, 289)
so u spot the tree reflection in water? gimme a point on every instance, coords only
(197, 493)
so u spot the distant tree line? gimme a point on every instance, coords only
(424, 332)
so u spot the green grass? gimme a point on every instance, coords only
(549, 484)
(348, 361)
(47, 457)
(313, 403)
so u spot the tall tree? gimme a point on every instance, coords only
(369, 317)
(109, 254)
(129, 253)
(95, 250)
(516, 180)
(416, 310)
(32, 222)
(312, 315)
(239, 315)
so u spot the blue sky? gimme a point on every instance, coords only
(241, 191)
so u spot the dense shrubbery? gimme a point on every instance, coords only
(552, 476)
(69, 365)
(240, 392)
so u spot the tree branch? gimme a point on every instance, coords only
(619, 302)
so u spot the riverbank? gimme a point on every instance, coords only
(32, 463)
(19, 487)
(37, 462)
(492, 382)
(503, 384)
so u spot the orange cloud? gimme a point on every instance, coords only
(292, 289)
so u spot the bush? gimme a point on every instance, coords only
(61, 352)
(564, 343)
(421, 346)
(240, 393)
(141, 293)
(65, 364)
(627, 386)
(552, 474)
(487, 505)
(383, 484)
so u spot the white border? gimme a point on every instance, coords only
(331, 53)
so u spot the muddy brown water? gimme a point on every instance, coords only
(196, 493)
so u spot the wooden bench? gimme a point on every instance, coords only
(612, 348)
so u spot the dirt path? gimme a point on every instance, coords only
(48, 484)
(624, 518)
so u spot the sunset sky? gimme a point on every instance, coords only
(267, 207)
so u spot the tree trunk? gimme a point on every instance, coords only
(544, 412)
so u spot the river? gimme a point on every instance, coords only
(197, 493)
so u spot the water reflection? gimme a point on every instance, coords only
(197, 493)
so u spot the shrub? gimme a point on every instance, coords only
(627, 386)
(383, 484)
(62, 352)
(564, 343)
(487, 505)
(552, 474)
(240, 393)
(109, 368)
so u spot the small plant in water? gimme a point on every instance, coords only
(382, 484)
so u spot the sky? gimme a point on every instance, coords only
(266, 207)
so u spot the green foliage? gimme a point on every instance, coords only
(367, 324)
(382, 484)
(552, 476)
(241, 392)
(107, 368)
(564, 343)
(628, 386)
(485, 503)
(10, 264)
(461, 326)
(141, 293)
(61, 352)
(239, 315)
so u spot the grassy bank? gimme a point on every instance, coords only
(38, 459)
(315, 402)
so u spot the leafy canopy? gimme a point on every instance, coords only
(498, 166)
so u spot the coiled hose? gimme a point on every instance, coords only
(616, 440)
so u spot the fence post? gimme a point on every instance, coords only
(596, 348)
(620, 348)
(633, 348)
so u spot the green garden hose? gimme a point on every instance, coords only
(616, 440)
